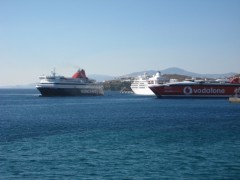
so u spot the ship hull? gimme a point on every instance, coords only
(70, 91)
(194, 91)
(143, 91)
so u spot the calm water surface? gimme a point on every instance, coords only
(117, 136)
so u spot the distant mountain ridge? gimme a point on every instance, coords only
(23, 86)
(172, 70)
(100, 77)
(179, 71)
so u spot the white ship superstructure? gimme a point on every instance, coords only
(76, 85)
(140, 84)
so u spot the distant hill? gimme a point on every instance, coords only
(135, 74)
(101, 78)
(24, 86)
(169, 71)
(183, 72)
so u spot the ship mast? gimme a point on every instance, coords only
(53, 72)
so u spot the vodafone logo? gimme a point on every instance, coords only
(187, 90)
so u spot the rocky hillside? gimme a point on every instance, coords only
(116, 85)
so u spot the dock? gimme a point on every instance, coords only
(234, 99)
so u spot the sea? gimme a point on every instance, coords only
(117, 136)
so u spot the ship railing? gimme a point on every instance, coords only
(42, 77)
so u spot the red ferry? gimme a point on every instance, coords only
(197, 89)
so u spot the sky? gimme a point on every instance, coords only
(114, 38)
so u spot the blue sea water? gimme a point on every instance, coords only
(117, 136)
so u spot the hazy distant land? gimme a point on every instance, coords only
(173, 72)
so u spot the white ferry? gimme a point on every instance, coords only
(77, 85)
(140, 84)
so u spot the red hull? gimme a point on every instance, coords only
(195, 90)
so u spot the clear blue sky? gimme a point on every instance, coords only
(116, 37)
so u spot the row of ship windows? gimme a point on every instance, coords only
(138, 86)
